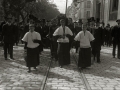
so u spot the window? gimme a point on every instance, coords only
(113, 9)
(115, 5)
(88, 4)
(88, 14)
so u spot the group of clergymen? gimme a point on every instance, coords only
(61, 37)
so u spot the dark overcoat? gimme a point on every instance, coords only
(96, 44)
(8, 33)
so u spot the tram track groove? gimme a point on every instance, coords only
(85, 82)
(46, 76)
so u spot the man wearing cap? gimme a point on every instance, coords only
(116, 39)
(8, 34)
(63, 35)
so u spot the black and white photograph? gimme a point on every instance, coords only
(59, 44)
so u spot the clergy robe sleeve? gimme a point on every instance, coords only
(25, 38)
(91, 37)
(77, 37)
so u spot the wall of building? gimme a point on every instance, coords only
(119, 10)
(104, 11)
(107, 13)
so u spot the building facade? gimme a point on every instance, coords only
(107, 10)
(80, 9)
(111, 11)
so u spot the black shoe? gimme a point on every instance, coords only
(29, 71)
(118, 57)
(35, 68)
(113, 56)
(83, 67)
(99, 62)
(12, 59)
(60, 66)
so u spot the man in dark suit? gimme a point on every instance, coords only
(8, 34)
(116, 39)
(96, 44)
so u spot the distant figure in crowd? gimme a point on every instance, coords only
(108, 35)
(53, 41)
(8, 34)
(84, 37)
(116, 39)
(63, 35)
(16, 28)
(32, 41)
(96, 44)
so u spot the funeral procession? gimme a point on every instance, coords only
(59, 44)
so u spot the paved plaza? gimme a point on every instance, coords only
(104, 76)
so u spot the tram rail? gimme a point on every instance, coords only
(46, 75)
(85, 82)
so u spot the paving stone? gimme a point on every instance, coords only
(18, 88)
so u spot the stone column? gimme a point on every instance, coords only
(118, 10)
(92, 7)
(106, 11)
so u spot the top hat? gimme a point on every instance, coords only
(43, 20)
(118, 20)
(102, 23)
(80, 21)
(97, 20)
(92, 19)
(108, 25)
(32, 17)
(89, 20)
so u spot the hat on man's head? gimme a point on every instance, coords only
(32, 17)
(92, 19)
(88, 20)
(108, 25)
(102, 23)
(118, 20)
(80, 21)
(43, 20)
(97, 20)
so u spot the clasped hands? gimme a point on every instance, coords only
(63, 36)
(36, 41)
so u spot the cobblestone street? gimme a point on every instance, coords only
(14, 75)
(104, 76)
